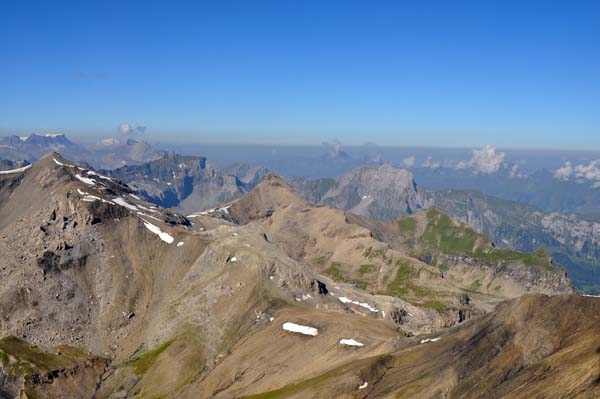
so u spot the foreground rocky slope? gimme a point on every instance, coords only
(522, 350)
(104, 295)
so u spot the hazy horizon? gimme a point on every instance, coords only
(511, 75)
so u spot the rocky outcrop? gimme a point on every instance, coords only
(375, 192)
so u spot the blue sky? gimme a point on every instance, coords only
(447, 73)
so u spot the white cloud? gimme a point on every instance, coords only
(125, 129)
(409, 161)
(429, 163)
(485, 160)
(515, 173)
(590, 171)
(564, 172)
(580, 173)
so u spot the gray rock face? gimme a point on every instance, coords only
(376, 192)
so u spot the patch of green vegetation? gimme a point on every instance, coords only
(476, 286)
(295, 388)
(403, 287)
(538, 258)
(375, 253)
(4, 359)
(402, 283)
(436, 305)
(459, 240)
(143, 362)
(29, 358)
(320, 260)
(452, 239)
(366, 268)
(23, 351)
(407, 224)
(335, 272)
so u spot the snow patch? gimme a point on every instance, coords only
(91, 198)
(166, 237)
(180, 244)
(147, 209)
(122, 202)
(297, 328)
(58, 162)
(343, 299)
(350, 342)
(91, 173)
(86, 180)
(149, 216)
(7, 172)
(424, 341)
(364, 385)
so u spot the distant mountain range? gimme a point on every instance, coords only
(540, 188)
(108, 153)
(32, 147)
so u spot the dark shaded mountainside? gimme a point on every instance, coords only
(386, 192)
(105, 295)
(6, 165)
(187, 183)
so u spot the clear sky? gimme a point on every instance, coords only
(442, 73)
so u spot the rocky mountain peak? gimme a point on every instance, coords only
(378, 192)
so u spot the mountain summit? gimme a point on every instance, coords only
(382, 192)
